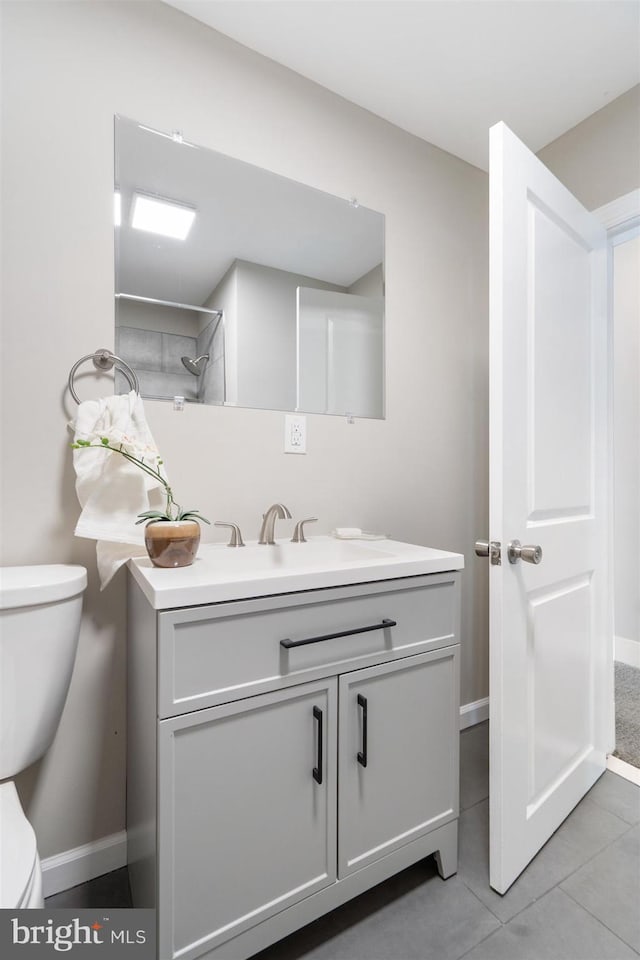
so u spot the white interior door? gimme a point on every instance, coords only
(551, 634)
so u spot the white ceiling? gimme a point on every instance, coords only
(446, 70)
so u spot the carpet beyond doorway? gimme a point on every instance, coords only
(627, 714)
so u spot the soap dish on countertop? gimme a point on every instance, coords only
(355, 533)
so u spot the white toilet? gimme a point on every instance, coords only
(40, 608)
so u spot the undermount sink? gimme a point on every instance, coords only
(222, 573)
(324, 552)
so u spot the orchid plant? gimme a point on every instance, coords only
(150, 463)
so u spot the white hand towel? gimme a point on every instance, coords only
(111, 490)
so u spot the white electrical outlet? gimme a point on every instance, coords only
(295, 434)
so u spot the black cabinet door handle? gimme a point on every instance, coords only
(288, 644)
(317, 771)
(362, 754)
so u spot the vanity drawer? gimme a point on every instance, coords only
(223, 652)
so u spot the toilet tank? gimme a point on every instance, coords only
(40, 610)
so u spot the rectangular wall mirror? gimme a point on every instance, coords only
(240, 287)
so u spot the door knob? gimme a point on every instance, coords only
(489, 548)
(531, 553)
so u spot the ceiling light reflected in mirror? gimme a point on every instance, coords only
(164, 217)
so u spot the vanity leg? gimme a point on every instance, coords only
(447, 856)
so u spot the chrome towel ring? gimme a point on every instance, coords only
(103, 359)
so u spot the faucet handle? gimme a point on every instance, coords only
(236, 537)
(298, 533)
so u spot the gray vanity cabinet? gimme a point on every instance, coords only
(397, 771)
(286, 753)
(247, 829)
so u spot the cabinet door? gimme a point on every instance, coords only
(398, 755)
(246, 813)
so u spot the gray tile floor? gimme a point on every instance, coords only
(106, 892)
(579, 899)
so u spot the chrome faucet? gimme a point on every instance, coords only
(276, 510)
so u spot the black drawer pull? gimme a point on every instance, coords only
(317, 771)
(288, 644)
(362, 754)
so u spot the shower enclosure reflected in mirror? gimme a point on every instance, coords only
(237, 286)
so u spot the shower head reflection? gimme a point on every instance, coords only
(196, 366)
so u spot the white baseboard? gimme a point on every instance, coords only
(626, 770)
(627, 651)
(84, 863)
(472, 713)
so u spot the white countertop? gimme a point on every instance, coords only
(222, 573)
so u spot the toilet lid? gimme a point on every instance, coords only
(18, 845)
(40, 583)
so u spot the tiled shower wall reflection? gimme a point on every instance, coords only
(155, 357)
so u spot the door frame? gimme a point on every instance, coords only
(621, 218)
(622, 211)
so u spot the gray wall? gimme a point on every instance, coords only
(369, 285)
(420, 475)
(599, 159)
